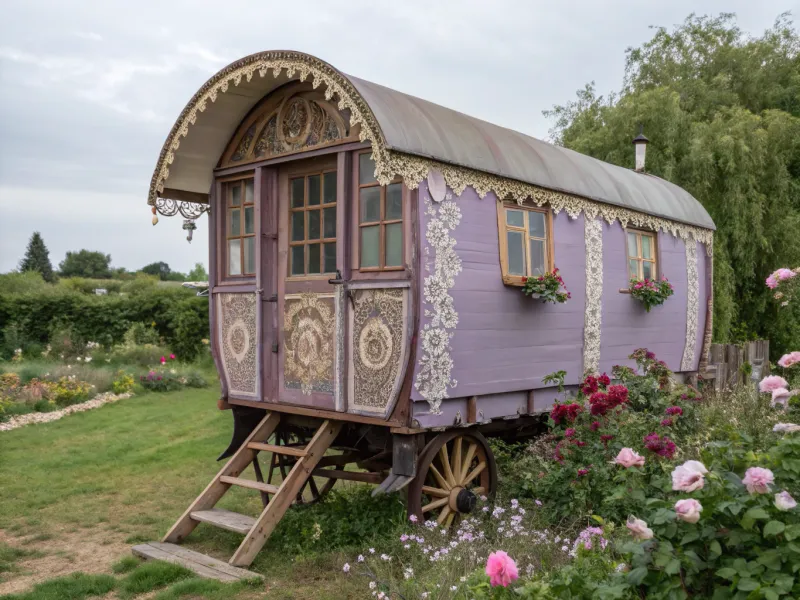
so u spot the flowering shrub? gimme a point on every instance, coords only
(123, 383)
(162, 379)
(785, 285)
(548, 287)
(651, 292)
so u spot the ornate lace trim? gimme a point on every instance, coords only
(388, 163)
(436, 365)
(692, 306)
(593, 236)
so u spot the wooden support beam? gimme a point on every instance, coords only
(375, 478)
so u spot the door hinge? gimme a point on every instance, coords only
(275, 347)
(273, 298)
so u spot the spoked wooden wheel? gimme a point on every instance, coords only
(280, 465)
(453, 470)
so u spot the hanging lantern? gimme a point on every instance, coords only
(189, 225)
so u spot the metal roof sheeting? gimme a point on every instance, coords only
(415, 126)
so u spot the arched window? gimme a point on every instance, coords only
(292, 119)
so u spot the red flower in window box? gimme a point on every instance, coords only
(548, 288)
(651, 292)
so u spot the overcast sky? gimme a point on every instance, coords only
(90, 89)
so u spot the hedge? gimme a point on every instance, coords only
(179, 316)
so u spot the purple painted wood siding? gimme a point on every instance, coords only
(625, 324)
(505, 341)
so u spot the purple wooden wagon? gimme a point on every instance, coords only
(367, 252)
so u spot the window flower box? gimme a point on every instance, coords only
(547, 288)
(650, 292)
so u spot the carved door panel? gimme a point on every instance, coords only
(309, 330)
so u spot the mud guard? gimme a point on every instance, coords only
(245, 419)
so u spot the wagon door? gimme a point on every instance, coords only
(310, 307)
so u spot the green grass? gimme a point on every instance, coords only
(126, 471)
(72, 587)
(9, 555)
(151, 576)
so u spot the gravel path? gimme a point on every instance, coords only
(38, 417)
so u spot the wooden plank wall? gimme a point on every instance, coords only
(727, 365)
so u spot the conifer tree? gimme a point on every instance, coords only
(37, 258)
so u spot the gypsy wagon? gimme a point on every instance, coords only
(367, 250)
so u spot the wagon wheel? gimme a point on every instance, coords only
(453, 469)
(314, 489)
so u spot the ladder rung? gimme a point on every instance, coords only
(249, 483)
(225, 519)
(285, 450)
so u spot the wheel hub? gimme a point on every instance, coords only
(462, 500)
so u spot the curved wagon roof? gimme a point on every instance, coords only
(400, 124)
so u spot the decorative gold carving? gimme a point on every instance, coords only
(389, 163)
(593, 236)
(692, 306)
(378, 341)
(308, 343)
(237, 317)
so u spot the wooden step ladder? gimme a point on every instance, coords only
(256, 530)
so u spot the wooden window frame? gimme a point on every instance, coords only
(227, 184)
(382, 222)
(503, 228)
(306, 208)
(639, 258)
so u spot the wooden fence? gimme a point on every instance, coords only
(731, 364)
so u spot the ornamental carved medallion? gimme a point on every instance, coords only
(377, 347)
(237, 341)
(308, 343)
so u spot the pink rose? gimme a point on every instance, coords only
(501, 569)
(789, 360)
(688, 510)
(784, 501)
(781, 396)
(639, 529)
(689, 477)
(758, 480)
(163, 360)
(628, 458)
(771, 383)
(172, 357)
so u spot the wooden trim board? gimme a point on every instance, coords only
(203, 565)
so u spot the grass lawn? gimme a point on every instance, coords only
(77, 493)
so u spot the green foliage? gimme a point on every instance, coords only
(721, 110)
(126, 564)
(547, 288)
(9, 555)
(122, 384)
(77, 586)
(175, 314)
(198, 273)
(342, 519)
(24, 283)
(152, 575)
(88, 286)
(86, 263)
(650, 292)
(207, 589)
(37, 258)
(158, 269)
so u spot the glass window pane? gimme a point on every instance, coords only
(394, 202)
(633, 268)
(313, 259)
(394, 245)
(298, 256)
(236, 194)
(516, 253)
(536, 224)
(235, 222)
(314, 190)
(632, 249)
(370, 246)
(298, 226)
(248, 191)
(329, 222)
(366, 168)
(647, 246)
(515, 218)
(329, 257)
(314, 228)
(329, 187)
(249, 219)
(538, 264)
(297, 191)
(648, 270)
(249, 255)
(370, 204)
(234, 257)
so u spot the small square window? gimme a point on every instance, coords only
(525, 242)
(642, 262)
(380, 219)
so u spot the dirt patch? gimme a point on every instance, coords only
(87, 551)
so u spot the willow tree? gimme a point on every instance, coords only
(722, 112)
